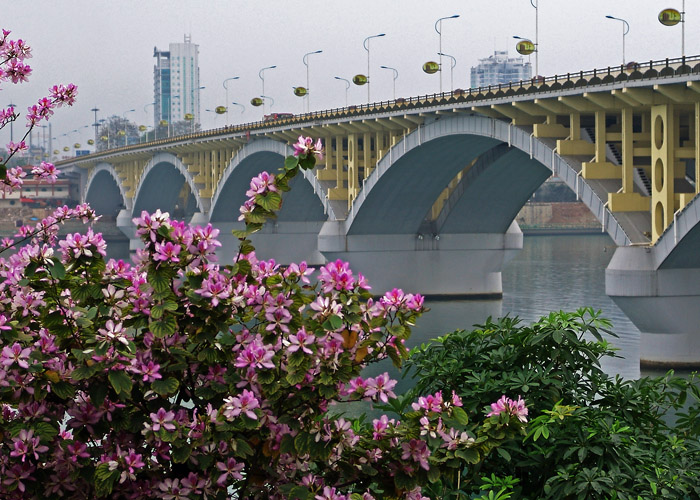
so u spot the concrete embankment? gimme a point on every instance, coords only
(557, 218)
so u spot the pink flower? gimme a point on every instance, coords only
(15, 354)
(509, 406)
(230, 469)
(163, 419)
(417, 451)
(380, 387)
(245, 403)
(306, 146)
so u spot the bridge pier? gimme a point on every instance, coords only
(126, 226)
(663, 303)
(445, 265)
(286, 242)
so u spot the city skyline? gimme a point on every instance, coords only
(106, 49)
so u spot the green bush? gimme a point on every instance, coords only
(590, 436)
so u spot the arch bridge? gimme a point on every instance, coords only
(422, 193)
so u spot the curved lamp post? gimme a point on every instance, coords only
(396, 75)
(347, 86)
(625, 30)
(226, 88)
(453, 63)
(365, 44)
(439, 32)
(265, 97)
(261, 74)
(306, 63)
(125, 122)
(241, 105)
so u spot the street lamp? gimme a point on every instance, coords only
(625, 30)
(155, 125)
(241, 105)
(396, 75)
(347, 86)
(12, 136)
(306, 63)
(95, 124)
(365, 44)
(453, 63)
(125, 122)
(671, 17)
(226, 88)
(264, 97)
(439, 32)
(261, 74)
(537, 41)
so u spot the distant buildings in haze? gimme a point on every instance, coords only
(176, 82)
(499, 68)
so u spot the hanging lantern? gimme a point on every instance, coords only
(163, 123)
(56, 151)
(431, 67)
(104, 138)
(256, 101)
(525, 47)
(300, 91)
(670, 17)
(91, 141)
(121, 133)
(76, 145)
(142, 128)
(359, 79)
(66, 148)
(188, 116)
(220, 110)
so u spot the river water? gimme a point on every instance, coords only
(551, 273)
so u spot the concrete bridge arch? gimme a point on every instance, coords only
(159, 187)
(105, 192)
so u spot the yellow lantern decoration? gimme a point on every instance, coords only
(359, 79)
(670, 17)
(66, 148)
(431, 67)
(121, 133)
(76, 145)
(142, 128)
(525, 47)
(220, 110)
(91, 141)
(256, 101)
(189, 116)
(56, 151)
(163, 123)
(300, 91)
(104, 138)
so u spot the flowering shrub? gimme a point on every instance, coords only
(179, 377)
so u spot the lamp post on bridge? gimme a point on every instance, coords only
(671, 17)
(261, 74)
(226, 88)
(439, 32)
(347, 86)
(126, 137)
(365, 44)
(12, 136)
(308, 89)
(155, 125)
(453, 63)
(396, 75)
(625, 30)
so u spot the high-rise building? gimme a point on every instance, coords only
(499, 68)
(176, 82)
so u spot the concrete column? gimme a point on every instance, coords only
(447, 265)
(663, 303)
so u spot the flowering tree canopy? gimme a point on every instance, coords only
(177, 376)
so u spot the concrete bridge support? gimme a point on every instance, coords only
(445, 265)
(663, 303)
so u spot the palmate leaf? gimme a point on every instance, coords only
(165, 387)
(271, 201)
(121, 382)
(105, 479)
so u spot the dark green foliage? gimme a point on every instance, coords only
(590, 436)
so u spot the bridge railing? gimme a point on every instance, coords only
(612, 74)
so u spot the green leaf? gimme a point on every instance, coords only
(121, 382)
(308, 162)
(163, 327)
(460, 415)
(291, 162)
(104, 479)
(83, 372)
(433, 474)
(157, 311)
(97, 392)
(300, 493)
(294, 378)
(45, 431)
(160, 279)
(271, 201)
(63, 390)
(166, 387)
(181, 454)
(57, 269)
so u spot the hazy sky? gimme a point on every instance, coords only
(106, 47)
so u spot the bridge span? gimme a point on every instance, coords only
(422, 193)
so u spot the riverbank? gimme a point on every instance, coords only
(550, 218)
